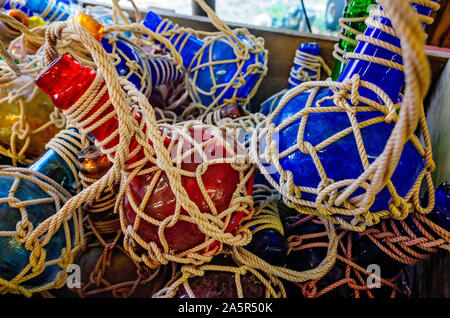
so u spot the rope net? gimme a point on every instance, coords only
(346, 278)
(335, 200)
(30, 200)
(402, 242)
(242, 65)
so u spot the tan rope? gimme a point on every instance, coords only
(272, 285)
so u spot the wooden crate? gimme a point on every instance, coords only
(431, 277)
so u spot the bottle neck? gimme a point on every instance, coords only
(306, 65)
(54, 166)
(390, 80)
(67, 95)
(355, 9)
(186, 44)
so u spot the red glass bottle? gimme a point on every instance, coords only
(66, 80)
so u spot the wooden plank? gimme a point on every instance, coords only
(438, 118)
(438, 32)
(431, 277)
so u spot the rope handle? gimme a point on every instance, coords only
(417, 80)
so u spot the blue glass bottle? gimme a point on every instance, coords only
(268, 244)
(9, 5)
(13, 255)
(341, 159)
(272, 102)
(222, 72)
(51, 10)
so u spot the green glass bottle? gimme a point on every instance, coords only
(355, 9)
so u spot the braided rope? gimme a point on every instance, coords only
(158, 156)
(308, 62)
(27, 127)
(347, 31)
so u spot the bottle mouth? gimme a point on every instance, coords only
(152, 21)
(19, 16)
(91, 25)
(59, 74)
(310, 48)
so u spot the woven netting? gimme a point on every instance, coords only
(223, 277)
(334, 197)
(161, 160)
(400, 241)
(28, 116)
(266, 214)
(48, 247)
(346, 278)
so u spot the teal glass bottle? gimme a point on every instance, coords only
(13, 255)
(211, 81)
(354, 9)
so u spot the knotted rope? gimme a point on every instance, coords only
(271, 286)
(28, 115)
(308, 62)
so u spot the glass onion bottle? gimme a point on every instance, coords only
(211, 83)
(14, 257)
(344, 151)
(37, 111)
(65, 80)
(295, 76)
(347, 43)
